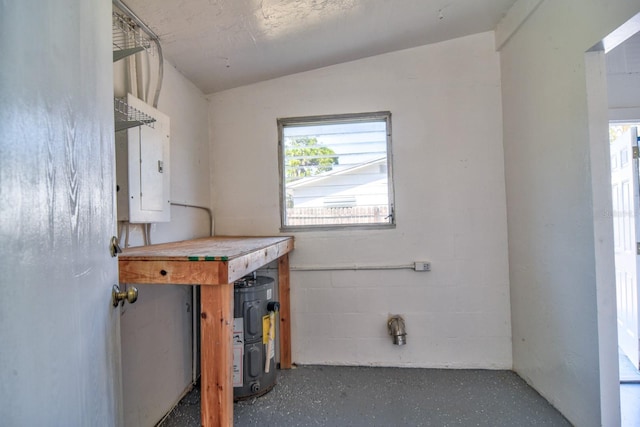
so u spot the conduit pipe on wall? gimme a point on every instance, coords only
(194, 298)
(194, 334)
(346, 267)
(156, 97)
(353, 267)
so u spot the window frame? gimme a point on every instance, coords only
(328, 120)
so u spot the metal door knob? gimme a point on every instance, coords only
(130, 295)
(114, 247)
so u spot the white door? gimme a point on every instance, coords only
(59, 333)
(625, 197)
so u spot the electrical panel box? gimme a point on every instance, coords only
(143, 168)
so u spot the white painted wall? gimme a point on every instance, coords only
(59, 334)
(156, 330)
(555, 302)
(450, 198)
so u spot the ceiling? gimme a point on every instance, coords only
(221, 44)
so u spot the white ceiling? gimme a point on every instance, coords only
(220, 44)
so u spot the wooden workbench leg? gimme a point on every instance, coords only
(216, 329)
(285, 311)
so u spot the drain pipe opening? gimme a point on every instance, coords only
(397, 330)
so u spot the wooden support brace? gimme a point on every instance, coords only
(284, 294)
(214, 262)
(216, 328)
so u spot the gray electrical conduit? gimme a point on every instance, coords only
(124, 8)
(160, 73)
(352, 267)
(348, 267)
(194, 298)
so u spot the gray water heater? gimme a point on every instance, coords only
(254, 370)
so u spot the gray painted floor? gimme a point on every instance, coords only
(359, 396)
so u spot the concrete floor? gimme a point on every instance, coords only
(359, 396)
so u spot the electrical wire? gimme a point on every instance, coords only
(195, 299)
(120, 230)
(144, 234)
(147, 83)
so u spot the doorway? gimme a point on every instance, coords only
(611, 98)
(623, 96)
(625, 193)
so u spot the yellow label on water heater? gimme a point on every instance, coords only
(266, 326)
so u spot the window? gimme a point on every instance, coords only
(336, 171)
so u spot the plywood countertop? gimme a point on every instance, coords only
(206, 261)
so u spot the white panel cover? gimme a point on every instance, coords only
(149, 172)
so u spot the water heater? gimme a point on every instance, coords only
(254, 338)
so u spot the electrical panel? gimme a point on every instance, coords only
(143, 168)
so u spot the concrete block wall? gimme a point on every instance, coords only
(450, 204)
(561, 302)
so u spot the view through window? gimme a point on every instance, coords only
(336, 171)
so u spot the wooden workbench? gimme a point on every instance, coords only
(215, 263)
